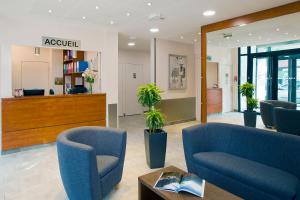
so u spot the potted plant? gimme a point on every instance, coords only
(247, 90)
(155, 137)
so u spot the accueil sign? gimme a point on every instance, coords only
(60, 43)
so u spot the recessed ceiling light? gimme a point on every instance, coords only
(277, 29)
(83, 17)
(131, 44)
(209, 13)
(128, 14)
(181, 37)
(50, 11)
(241, 25)
(149, 4)
(250, 34)
(97, 7)
(238, 40)
(112, 22)
(154, 30)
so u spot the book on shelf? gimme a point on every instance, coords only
(176, 182)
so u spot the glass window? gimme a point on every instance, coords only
(244, 50)
(253, 49)
(284, 46)
(261, 49)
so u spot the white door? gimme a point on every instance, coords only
(133, 78)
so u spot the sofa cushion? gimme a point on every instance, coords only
(105, 164)
(264, 178)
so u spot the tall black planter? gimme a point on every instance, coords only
(250, 118)
(155, 147)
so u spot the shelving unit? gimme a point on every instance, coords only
(71, 74)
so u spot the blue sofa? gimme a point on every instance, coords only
(248, 162)
(91, 161)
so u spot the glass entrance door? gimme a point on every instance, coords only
(261, 78)
(289, 78)
(283, 83)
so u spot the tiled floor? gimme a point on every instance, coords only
(33, 173)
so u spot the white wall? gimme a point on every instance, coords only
(163, 49)
(93, 38)
(132, 57)
(222, 56)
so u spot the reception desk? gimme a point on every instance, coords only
(36, 120)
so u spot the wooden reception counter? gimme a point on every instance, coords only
(35, 120)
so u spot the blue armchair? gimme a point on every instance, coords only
(248, 162)
(267, 110)
(287, 120)
(91, 161)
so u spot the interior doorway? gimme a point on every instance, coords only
(133, 78)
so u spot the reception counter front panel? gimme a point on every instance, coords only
(29, 121)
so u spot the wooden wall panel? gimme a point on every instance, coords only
(38, 120)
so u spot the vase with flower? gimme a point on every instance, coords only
(89, 76)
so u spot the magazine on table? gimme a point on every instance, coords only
(176, 182)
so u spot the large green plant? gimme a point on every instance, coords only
(149, 96)
(247, 90)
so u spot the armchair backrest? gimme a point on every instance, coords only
(287, 121)
(105, 141)
(282, 104)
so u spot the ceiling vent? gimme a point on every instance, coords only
(156, 17)
(227, 35)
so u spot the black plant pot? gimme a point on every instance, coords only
(250, 118)
(155, 147)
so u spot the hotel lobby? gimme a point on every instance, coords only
(150, 100)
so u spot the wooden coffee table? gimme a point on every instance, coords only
(147, 192)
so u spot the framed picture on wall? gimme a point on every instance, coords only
(177, 72)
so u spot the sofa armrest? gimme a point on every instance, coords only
(298, 192)
(192, 143)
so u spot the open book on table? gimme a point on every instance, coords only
(176, 182)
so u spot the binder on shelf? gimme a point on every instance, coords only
(82, 65)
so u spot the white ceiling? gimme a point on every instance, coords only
(280, 29)
(182, 17)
